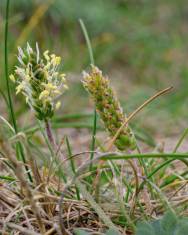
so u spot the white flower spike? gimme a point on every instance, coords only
(38, 79)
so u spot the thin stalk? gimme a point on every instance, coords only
(20, 152)
(117, 156)
(185, 133)
(120, 199)
(95, 112)
(162, 197)
(172, 179)
(87, 41)
(7, 178)
(72, 116)
(6, 68)
(133, 114)
(48, 136)
(27, 191)
(49, 133)
(19, 147)
(72, 164)
(145, 171)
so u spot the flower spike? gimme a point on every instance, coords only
(38, 79)
(108, 108)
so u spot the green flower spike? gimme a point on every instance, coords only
(108, 108)
(38, 79)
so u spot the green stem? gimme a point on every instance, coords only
(8, 178)
(72, 164)
(10, 106)
(95, 113)
(185, 133)
(116, 156)
(87, 41)
(49, 133)
(6, 68)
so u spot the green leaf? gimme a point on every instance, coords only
(169, 223)
(80, 232)
(157, 227)
(145, 228)
(112, 232)
(182, 228)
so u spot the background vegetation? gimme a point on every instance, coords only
(142, 46)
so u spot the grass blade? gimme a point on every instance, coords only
(19, 148)
(10, 106)
(95, 113)
(72, 164)
(185, 133)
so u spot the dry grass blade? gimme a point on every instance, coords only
(18, 170)
(109, 146)
(25, 231)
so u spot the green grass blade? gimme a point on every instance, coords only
(53, 154)
(87, 41)
(72, 164)
(95, 113)
(116, 156)
(72, 116)
(20, 152)
(10, 106)
(7, 178)
(185, 133)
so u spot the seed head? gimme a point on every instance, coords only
(38, 79)
(108, 108)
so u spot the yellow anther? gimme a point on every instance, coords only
(12, 78)
(63, 79)
(19, 88)
(46, 56)
(65, 87)
(58, 104)
(44, 94)
(55, 74)
(56, 91)
(27, 78)
(46, 73)
(52, 56)
(47, 66)
(57, 60)
(50, 86)
(27, 71)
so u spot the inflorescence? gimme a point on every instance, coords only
(108, 108)
(38, 79)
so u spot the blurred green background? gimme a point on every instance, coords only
(140, 44)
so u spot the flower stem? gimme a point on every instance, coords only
(6, 68)
(19, 147)
(49, 133)
(94, 129)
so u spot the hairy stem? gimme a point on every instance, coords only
(49, 133)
